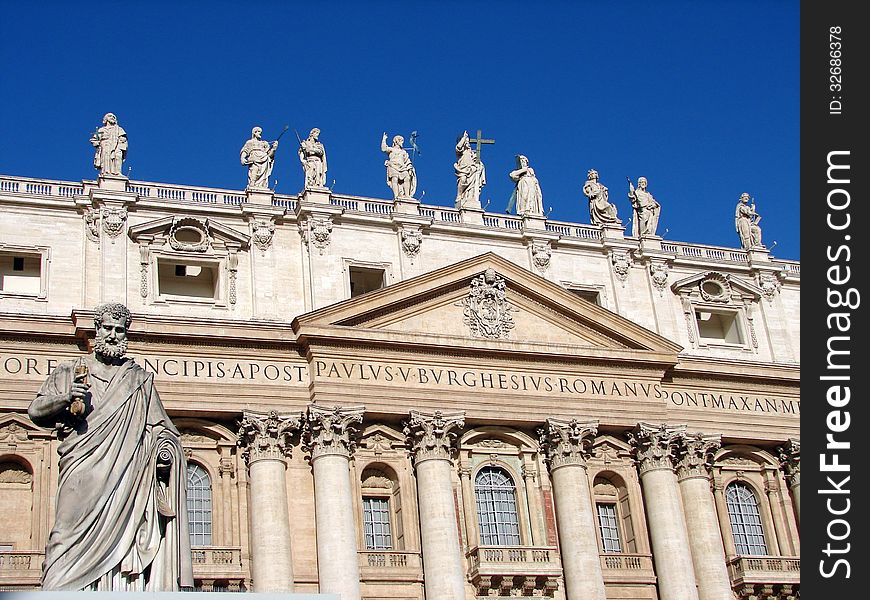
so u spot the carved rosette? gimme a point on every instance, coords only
(92, 224)
(267, 436)
(567, 442)
(541, 253)
(433, 436)
(331, 431)
(262, 233)
(769, 284)
(790, 459)
(412, 239)
(486, 309)
(695, 455)
(658, 273)
(655, 445)
(113, 220)
(620, 261)
(316, 230)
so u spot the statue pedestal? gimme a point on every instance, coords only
(471, 216)
(650, 243)
(758, 254)
(406, 206)
(260, 196)
(613, 232)
(315, 195)
(535, 222)
(114, 183)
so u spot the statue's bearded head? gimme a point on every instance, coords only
(398, 141)
(592, 175)
(111, 321)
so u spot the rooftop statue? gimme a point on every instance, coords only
(601, 211)
(646, 210)
(747, 222)
(121, 510)
(527, 194)
(259, 156)
(312, 154)
(470, 174)
(401, 176)
(110, 142)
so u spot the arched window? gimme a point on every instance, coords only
(496, 508)
(745, 519)
(198, 505)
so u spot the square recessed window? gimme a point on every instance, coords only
(21, 274)
(592, 296)
(364, 279)
(718, 326)
(188, 280)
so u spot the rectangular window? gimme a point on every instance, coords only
(608, 528)
(718, 326)
(589, 295)
(376, 523)
(21, 274)
(364, 280)
(188, 280)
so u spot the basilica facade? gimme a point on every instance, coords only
(389, 400)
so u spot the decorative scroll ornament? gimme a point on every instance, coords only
(621, 262)
(233, 268)
(113, 220)
(541, 254)
(412, 239)
(267, 435)
(433, 436)
(655, 445)
(695, 455)
(92, 224)
(262, 233)
(331, 431)
(769, 284)
(144, 262)
(790, 459)
(567, 442)
(316, 230)
(715, 287)
(487, 311)
(189, 234)
(659, 274)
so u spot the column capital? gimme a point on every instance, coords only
(695, 453)
(655, 445)
(566, 442)
(332, 431)
(433, 436)
(264, 436)
(790, 461)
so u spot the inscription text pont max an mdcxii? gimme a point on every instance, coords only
(205, 370)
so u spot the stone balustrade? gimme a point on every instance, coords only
(390, 565)
(23, 569)
(215, 562)
(766, 570)
(626, 568)
(514, 570)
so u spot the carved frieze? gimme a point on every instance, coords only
(267, 435)
(487, 311)
(433, 436)
(332, 431)
(695, 455)
(566, 442)
(655, 445)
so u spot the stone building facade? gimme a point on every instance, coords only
(390, 400)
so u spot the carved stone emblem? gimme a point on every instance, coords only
(412, 239)
(769, 284)
(541, 254)
(92, 224)
(189, 235)
(715, 287)
(621, 262)
(659, 274)
(262, 233)
(487, 311)
(113, 221)
(316, 230)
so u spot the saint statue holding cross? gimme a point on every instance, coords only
(470, 173)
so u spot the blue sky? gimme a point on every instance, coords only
(702, 98)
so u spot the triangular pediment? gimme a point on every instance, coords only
(714, 286)
(488, 302)
(188, 233)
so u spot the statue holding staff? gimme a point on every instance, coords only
(259, 156)
(646, 210)
(401, 176)
(746, 220)
(110, 142)
(470, 174)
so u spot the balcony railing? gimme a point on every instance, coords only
(770, 570)
(214, 562)
(627, 568)
(514, 570)
(19, 570)
(390, 565)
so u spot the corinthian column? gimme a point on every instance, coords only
(705, 538)
(566, 446)
(790, 457)
(433, 441)
(265, 439)
(330, 436)
(654, 446)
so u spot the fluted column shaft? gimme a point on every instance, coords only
(266, 442)
(705, 538)
(432, 440)
(330, 438)
(565, 444)
(664, 509)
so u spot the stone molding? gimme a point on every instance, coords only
(790, 460)
(655, 445)
(267, 436)
(566, 442)
(433, 436)
(332, 431)
(695, 454)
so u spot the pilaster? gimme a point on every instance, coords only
(112, 202)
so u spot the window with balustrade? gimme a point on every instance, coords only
(496, 498)
(745, 517)
(199, 515)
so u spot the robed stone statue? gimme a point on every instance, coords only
(121, 515)
(110, 146)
